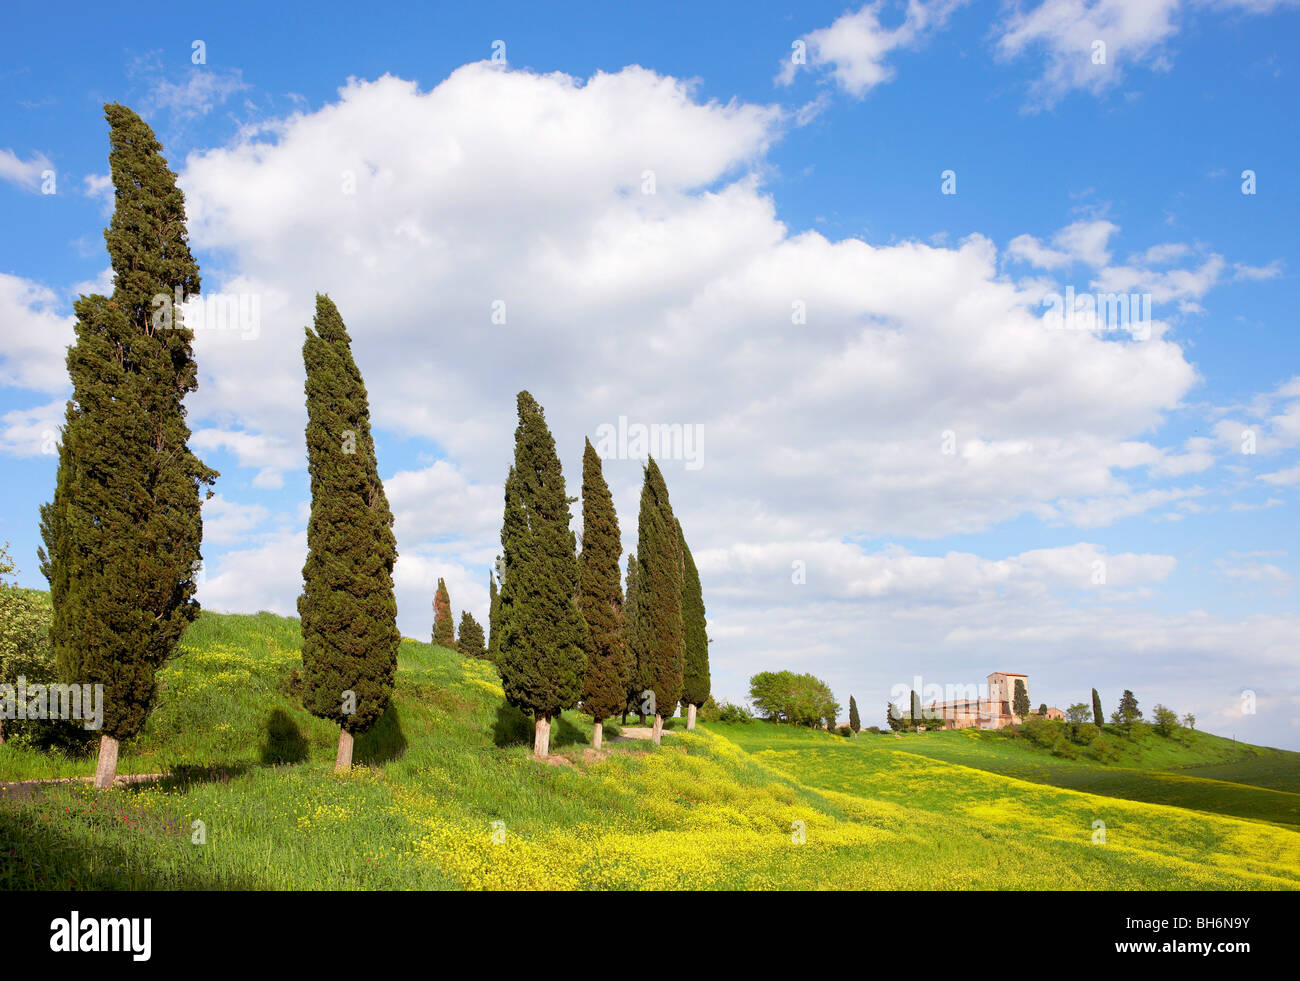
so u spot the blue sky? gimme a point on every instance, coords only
(776, 184)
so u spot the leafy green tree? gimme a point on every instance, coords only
(600, 597)
(1020, 704)
(1077, 713)
(24, 633)
(444, 633)
(659, 596)
(1165, 720)
(470, 643)
(543, 659)
(1097, 717)
(695, 660)
(347, 606)
(123, 531)
(798, 699)
(1189, 720)
(855, 723)
(893, 717)
(1127, 713)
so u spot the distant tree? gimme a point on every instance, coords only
(1165, 720)
(1127, 713)
(470, 643)
(444, 634)
(123, 531)
(1077, 713)
(659, 596)
(695, 640)
(494, 615)
(1189, 720)
(799, 699)
(893, 717)
(1020, 702)
(348, 611)
(24, 634)
(543, 658)
(632, 639)
(915, 706)
(855, 723)
(600, 597)
(1042, 710)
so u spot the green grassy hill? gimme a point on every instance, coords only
(447, 796)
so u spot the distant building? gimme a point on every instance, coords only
(993, 712)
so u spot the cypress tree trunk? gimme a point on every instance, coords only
(597, 735)
(658, 730)
(343, 759)
(690, 716)
(106, 765)
(542, 736)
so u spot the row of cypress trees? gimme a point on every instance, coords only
(123, 532)
(563, 630)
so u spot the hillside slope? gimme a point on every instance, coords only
(450, 798)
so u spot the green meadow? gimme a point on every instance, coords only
(446, 795)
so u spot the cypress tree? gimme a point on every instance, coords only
(494, 616)
(632, 640)
(542, 658)
(600, 596)
(695, 639)
(1020, 702)
(1097, 717)
(348, 611)
(659, 598)
(123, 531)
(915, 709)
(855, 722)
(444, 634)
(470, 642)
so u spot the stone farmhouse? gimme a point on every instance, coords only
(993, 712)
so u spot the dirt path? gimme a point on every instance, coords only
(638, 732)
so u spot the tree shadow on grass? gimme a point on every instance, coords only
(513, 727)
(383, 741)
(565, 733)
(285, 741)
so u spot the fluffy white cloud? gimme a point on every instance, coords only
(34, 335)
(854, 48)
(24, 173)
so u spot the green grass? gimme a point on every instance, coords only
(722, 807)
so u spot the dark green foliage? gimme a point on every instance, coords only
(893, 717)
(600, 595)
(800, 699)
(349, 614)
(855, 723)
(1077, 714)
(542, 658)
(695, 639)
(1097, 717)
(1042, 710)
(659, 596)
(444, 634)
(494, 616)
(1127, 713)
(637, 680)
(471, 642)
(1165, 720)
(728, 712)
(123, 531)
(914, 714)
(1020, 702)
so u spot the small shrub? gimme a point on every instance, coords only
(728, 712)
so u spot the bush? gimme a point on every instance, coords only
(708, 712)
(845, 731)
(1105, 750)
(734, 713)
(1084, 733)
(873, 729)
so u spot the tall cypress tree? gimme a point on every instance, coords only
(855, 721)
(632, 641)
(695, 639)
(123, 531)
(543, 656)
(1020, 702)
(348, 611)
(1097, 717)
(659, 583)
(494, 616)
(444, 633)
(600, 596)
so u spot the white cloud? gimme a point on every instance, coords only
(855, 47)
(25, 174)
(32, 432)
(34, 336)
(202, 90)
